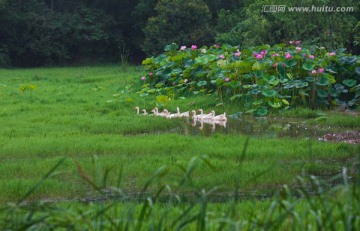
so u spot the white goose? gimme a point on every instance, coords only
(155, 111)
(169, 115)
(221, 117)
(137, 110)
(144, 112)
(194, 116)
(206, 116)
(184, 114)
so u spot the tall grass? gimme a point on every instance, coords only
(314, 205)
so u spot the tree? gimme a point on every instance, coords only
(183, 22)
(35, 33)
(331, 30)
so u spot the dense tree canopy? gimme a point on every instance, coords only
(68, 32)
(178, 21)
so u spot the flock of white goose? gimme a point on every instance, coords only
(209, 118)
(165, 113)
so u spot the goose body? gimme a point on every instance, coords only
(184, 114)
(221, 117)
(206, 116)
(155, 111)
(144, 112)
(194, 116)
(169, 115)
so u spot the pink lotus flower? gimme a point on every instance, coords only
(143, 78)
(263, 52)
(298, 48)
(288, 56)
(193, 47)
(332, 54)
(321, 70)
(276, 55)
(258, 56)
(182, 48)
(291, 42)
(150, 73)
(311, 56)
(222, 56)
(227, 79)
(297, 42)
(216, 46)
(274, 65)
(313, 72)
(237, 54)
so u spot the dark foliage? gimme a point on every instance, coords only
(71, 32)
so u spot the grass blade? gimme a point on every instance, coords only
(39, 183)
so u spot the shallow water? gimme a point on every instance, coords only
(261, 127)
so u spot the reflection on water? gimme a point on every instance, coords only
(255, 126)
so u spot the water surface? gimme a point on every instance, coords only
(261, 127)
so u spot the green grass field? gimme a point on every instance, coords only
(82, 113)
(86, 115)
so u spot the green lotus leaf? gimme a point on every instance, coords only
(348, 59)
(159, 85)
(330, 78)
(291, 63)
(263, 111)
(301, 84)
(203, 60)
(148, 61)
(242, 64)
(161, 60)
(357, 70)
(310, 79)
(178, 57)
(222, 63)
(257, 66)
(275, 104)
(272, 80)
(176, 71)
(308, 66)
(349, 82)
(322, 81)
(189, 63)
(285, 102)
(213, 81)
(171, 47)
(303, 93)
(201, 83)
(269, 93)
(235, 97)
(322, 93)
